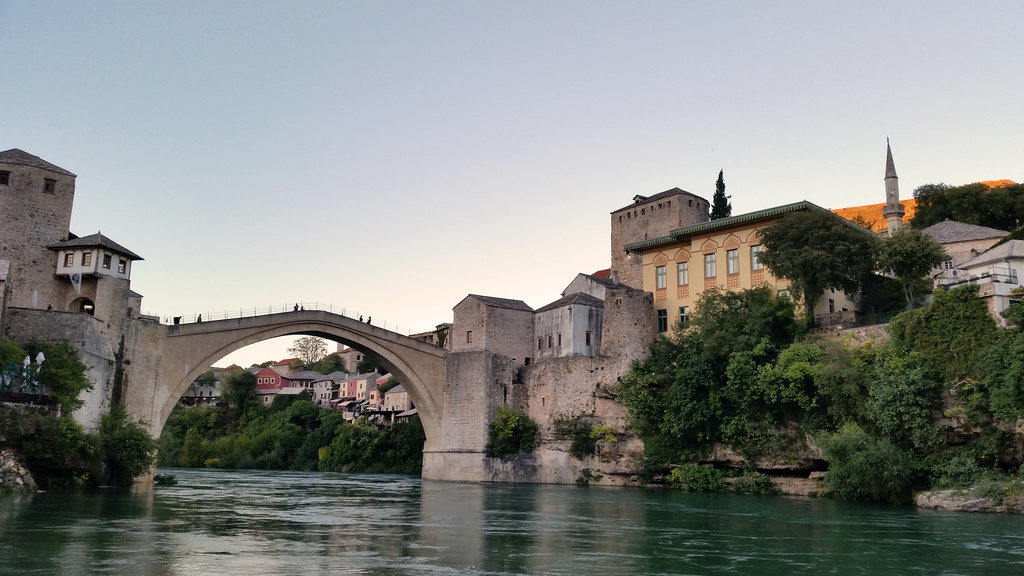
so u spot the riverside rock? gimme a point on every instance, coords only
(13, 476)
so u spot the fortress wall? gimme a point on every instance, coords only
(576, 386)
(143, 388)
(86, 335)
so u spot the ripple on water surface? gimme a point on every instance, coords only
(293, 523)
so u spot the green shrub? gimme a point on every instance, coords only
(510, 433)
(957, 472)
(753, 483)
(864, 468)
(579, 430)
(696, 478)
(126, 446)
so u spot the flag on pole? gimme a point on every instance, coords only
(76, 281)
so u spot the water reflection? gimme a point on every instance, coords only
(234, 523)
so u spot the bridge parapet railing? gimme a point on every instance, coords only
(211, 315)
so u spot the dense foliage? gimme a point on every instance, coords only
(816, 250)
(62, 374)
(57, 450)
(125, 446)
(290, 434)
(1000, 208)
(946, 387)
(510, 433)
(909, 255)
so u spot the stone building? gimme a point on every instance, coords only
(963, 242)
(61, 287)
(720, 254)
(650, 217)
(500, 355)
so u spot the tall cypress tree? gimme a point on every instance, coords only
(720, 206)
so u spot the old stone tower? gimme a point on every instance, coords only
(648, 218)
(57, 286)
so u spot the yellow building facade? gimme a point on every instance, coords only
(723, 254)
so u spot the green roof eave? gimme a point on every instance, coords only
(724, 223)
(650, 243)
(765, 214)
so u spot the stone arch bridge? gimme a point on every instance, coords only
(188, 350)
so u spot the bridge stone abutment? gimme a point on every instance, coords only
(188, 350)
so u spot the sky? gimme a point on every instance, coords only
(391, 157)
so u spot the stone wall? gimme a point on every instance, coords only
(141, 385)
(647, 219)
(32, 220)
(85, 334)
(580, 386)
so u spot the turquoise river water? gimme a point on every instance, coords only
(229, 523)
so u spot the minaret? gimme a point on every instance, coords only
(893, 211)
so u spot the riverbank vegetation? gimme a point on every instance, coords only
(56, 450)
(291, 433)
(935, 405)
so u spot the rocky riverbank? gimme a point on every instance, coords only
(13, 476)
(969, 501)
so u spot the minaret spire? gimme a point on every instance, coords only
(893, 211)
(890, 166)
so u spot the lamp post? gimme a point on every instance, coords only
(30, 377)
(39, 366)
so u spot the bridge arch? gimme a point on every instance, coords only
(191, 349)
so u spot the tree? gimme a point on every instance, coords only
(309, 349)
(1000, 208)
(816, 250)
(238, 389)
(909, 255)
(329, 364)
(369, 364)
(125, 445)
(720, 206)
(61, 374)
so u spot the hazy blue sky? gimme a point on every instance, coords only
(392, 157)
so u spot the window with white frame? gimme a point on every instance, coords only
(683, 273)
(659, 277)
(732, 261)
(684, 316)
(755, 257)
(709, 266)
